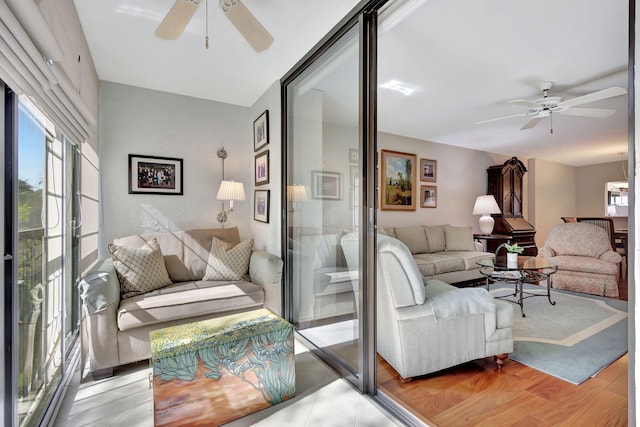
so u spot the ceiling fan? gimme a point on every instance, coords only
(541, 108)
(245, 22)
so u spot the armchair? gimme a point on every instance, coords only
(586, 262)
(424, 327)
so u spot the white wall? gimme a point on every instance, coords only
(146, 122)
(553, 194)
(592, 186)
(461, 178)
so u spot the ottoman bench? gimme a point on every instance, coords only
(214, 371)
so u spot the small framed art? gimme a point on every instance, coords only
(428, 196)
(154, 175)
(262, 168)
(261, 205)
(326, 185)
(428, 170)
(261, 131)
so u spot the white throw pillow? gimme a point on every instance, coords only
(140, 270)
(226, 263)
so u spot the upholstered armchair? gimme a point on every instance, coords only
(586, 262)
(424, 327)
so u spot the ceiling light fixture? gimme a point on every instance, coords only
(398, 86)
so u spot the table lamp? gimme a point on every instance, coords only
(485, 206)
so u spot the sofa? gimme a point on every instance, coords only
(586, 261)
(209, 273)
(425, 326)
(444, 252)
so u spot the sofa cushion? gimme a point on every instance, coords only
(435, 238)
(226, 262)
(442, 262)
(187, 299)
(139, 270)
(471, 259)
(324, 249)
(584, 265)
(185, 252)
(459, 238)
(414, 238)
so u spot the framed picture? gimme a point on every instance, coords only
(398, 174)
(261, 205)
(261, 131)
(326, 185)
(354, 155)
(262, 168)
(428, 196)
(154, 175)
(428, 170)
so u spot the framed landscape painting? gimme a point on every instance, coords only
(154, 175)
(398, 177)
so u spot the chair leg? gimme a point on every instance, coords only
(500, 359)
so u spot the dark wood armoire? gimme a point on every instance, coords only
(505, 183)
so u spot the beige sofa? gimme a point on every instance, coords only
(443, 252)
(115, 331)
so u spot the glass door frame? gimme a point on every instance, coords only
(364, 16)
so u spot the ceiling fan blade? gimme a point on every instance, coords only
(592, 97)
(177, 19)
(500, 118)
(247, 24)
(532, 122)
(587, 112)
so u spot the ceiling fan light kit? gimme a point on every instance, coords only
(181, 13)
(541, 108)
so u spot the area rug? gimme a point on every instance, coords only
(572, 340)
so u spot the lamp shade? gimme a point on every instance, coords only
(297, 193)
(486, 205)
(230, 190)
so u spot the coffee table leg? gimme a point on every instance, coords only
(549, 290)
(521, 298)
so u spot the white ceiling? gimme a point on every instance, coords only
(466, 59)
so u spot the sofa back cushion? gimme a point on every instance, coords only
(325, 250)
(435, 238)
(414, 238)
(459, 238)
(185, 252)
(578, 239)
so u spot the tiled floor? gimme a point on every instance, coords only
(322, 399)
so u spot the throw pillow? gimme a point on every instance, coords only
(140, 270)
(459, 238)
(228, 263)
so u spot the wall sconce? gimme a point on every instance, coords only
(485, 206)
(229, 190)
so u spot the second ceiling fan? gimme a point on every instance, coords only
(541, 108)
(245, 22)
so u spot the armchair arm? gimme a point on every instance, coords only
(611, 256)
(265, 269)
(546, 252)
(100, 294)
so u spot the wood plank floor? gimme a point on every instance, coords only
(477, 394)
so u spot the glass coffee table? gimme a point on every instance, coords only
(529, 270)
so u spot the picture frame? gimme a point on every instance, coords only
(326, 185)
(155, 175)
(428, 196)
(261, 168)
(428, 170)
(354, 155)
(261, 131)
(261, 203)
(398, 178)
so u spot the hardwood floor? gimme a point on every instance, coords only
(478, 394)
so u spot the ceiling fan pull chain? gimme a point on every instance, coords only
(206, 24)
(551, 121)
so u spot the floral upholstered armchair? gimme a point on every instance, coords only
(586, 262)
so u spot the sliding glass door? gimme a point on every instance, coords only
(43, 276)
